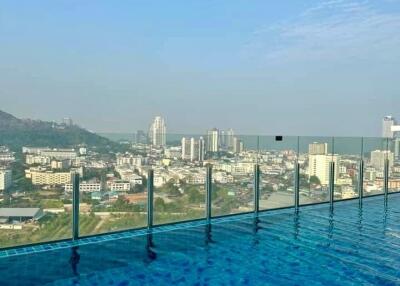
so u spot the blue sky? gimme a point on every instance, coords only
(291, 67)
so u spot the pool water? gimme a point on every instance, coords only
(352, 246)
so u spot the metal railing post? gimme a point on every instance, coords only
(297, 187)
(150, 194)
(361, 182)
(386, 179)
(331, 184)
(256, 188)
(75, 206)
(208, 192)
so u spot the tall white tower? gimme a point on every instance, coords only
(192, 149)
(387, 123)
(229, 138)
(157, 132)
(201, 149)
(213, 140)
(186, 148)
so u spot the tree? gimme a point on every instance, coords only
(159, 205)
(170, 189)
(315, 180)
(194, 195)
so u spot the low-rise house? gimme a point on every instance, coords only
(119, 185)
(19, 215)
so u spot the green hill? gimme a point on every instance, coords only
(15, 133)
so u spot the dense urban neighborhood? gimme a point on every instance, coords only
(36, 187)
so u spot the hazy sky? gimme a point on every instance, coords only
(262, 67)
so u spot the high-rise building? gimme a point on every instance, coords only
(222, 139)
(378, 158)
(157, 132)
(238, 145)
(387, 123)
(318, 148)
(229, 138)
(226, 139)
(397, 148)
(193, 149)
(186, 146)
(141, 137)
(318, 166)
(213, 140)
(202, 149)
(5, 179)
(67, 121)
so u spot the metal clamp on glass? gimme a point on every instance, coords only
(150, 194)
(75, 206)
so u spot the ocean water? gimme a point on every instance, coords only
(339, 145)
(351, 246)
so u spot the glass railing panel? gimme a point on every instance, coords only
(348, 152)
(277, 160)
(375, 152)
(113, 193)
(233, 174)
(315, 155)
(33, 207)
(179, 179)
(394, 168)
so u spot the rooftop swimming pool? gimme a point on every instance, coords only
(351, 246)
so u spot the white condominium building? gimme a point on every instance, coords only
(5, 179)
(7, 157)
(59, 154)
(378, 158)
(318, 166)
(130, 176)
(44, 177)
(229, 139)
(129, 159)
(192, 149)
(238, 145)
(213, 140)
(34, 150)
(31, 159)
(85, 187)
(119, 186)
(185, 148)
(157, 132)
(318, 148)
(387, 123)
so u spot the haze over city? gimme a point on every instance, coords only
(304, 68)
(199, 142)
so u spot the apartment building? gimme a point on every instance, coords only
(5, 179)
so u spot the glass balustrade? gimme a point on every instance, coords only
(179, 179)
(394, 166)
(233, 175)
(34, 206)
(277, 161)
(375, 152)
(348, 151)
(315, 156)
(36, 196)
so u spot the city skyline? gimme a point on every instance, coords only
(308, 68)
(199, 142)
